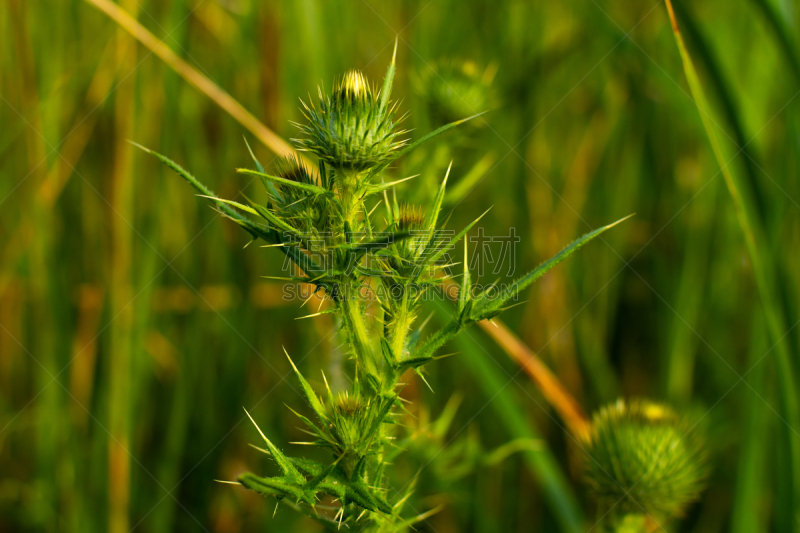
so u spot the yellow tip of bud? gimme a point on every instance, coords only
(354, 85)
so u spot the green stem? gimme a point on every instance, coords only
(348, 195)
(401, 323)
(353, 317)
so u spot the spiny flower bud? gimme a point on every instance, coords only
(348, 405)
(306, 212)
(452, 90)
(411, 218)
(643, 459)
(347, 409)
(292, 168)
(351, 129)
(353, 87)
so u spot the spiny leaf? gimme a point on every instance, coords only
(486, 308)
(320, 477)
(413, 362)
(372, 189)
(337, 490)
(433, 213)
(307, 466)
(438, 253)
(237, 205)
(270, 217)
(433, 134)
(308, 187)
(379, 417)
(300, 259)
(279, 487)
(359, 249)
(259, 166)
(386, 90)
(313, 400)
(386, 350)
(360, 470)
(360, 494)
(438, 339)
(466, 284)
(286, 466)
(314, 430)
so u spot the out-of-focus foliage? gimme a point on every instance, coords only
(133, 328)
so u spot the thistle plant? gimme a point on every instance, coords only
(644, 464)
(375, 271)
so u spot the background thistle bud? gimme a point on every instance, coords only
(642, 459)
(451, 90)
(353, 128)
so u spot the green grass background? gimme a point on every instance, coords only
(134, 327)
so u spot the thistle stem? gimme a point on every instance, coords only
(348, 195)
(401, 323)
(353, 319)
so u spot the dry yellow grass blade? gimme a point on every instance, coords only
(548, 384)
(224, 100)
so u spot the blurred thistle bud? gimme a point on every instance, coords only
(353, 128)
(452, 90)
(643, 459)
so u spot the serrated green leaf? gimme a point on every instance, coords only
(259, 166)
(434, 133)
(379, 417)
(305, 263)
(311, 396)
(388, 80)
(433, 212)
(286, 466)
(308, 187)
(486, 308)
(386, 350)
(413, 362)
(307, 466)
(466, 283)
(237, 205)
(312, 483)
(373, 188)
(434, 255)
(280, 487)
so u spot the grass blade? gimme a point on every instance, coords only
(764, 270)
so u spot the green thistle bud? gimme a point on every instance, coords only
(347, 405)
(353, 128)
(452, 90)
(411, 218)
(642, 459)
(293, 169)
(347, 428)
(306, 212)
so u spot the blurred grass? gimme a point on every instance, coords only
(134, 326)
